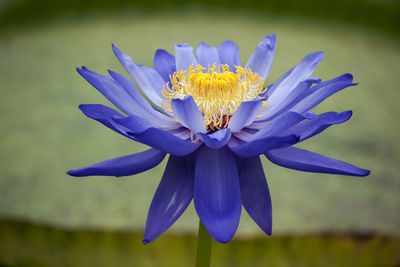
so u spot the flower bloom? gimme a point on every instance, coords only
(215, 118)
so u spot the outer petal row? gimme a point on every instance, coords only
(220, 186)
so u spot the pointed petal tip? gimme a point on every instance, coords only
(116, 51)
(162, 52)
(364, 172)
(268, 41)
(146, 241)
(228, 42)
(267, 231)
(85, 107)
(271, 39)
(348, 76)
(81, 70)
(315, 57)
(75, 173)
(345, 115)
(84, 71)
(182, 45)
(223, 240)
(204, 44)
(222, 237)
(307, 161)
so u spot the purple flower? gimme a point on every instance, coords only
(215, 118)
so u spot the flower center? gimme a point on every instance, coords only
(218, 94)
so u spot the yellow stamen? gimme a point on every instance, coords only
(217, 94)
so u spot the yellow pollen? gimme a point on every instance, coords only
(218, 94)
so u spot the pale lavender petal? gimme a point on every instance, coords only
(207, 55)
(184, 56)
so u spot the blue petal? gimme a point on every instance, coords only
(229, 54)
(164, 64)
(145, 133)
(255, 193)
(153, 78)
(302, 71)
(347, 77)
(309, 115)
(140, 107)
(275, 108)
(105, 116)
(217, 139)
(276, 125)
(320, 94)
(245, 115)
(130, 88)
(316, 125)
(261, 59)
(172, 197)
(260, 146)
(110, 89)
(182, 133)
(304, 98)
(123, 166)
(207, 55)
(217, 192)
(139, 77)
(188, 114)
(303, 160)
(272, 87)
(184, 56)
(246, 134)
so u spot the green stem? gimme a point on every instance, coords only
(203, 258)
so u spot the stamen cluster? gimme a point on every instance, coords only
(218, 94)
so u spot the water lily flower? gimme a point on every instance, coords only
(215, 119)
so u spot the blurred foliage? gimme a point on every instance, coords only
(24, 244)
(383, 15)
(44, 134)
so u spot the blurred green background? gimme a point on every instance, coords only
(50, 219)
